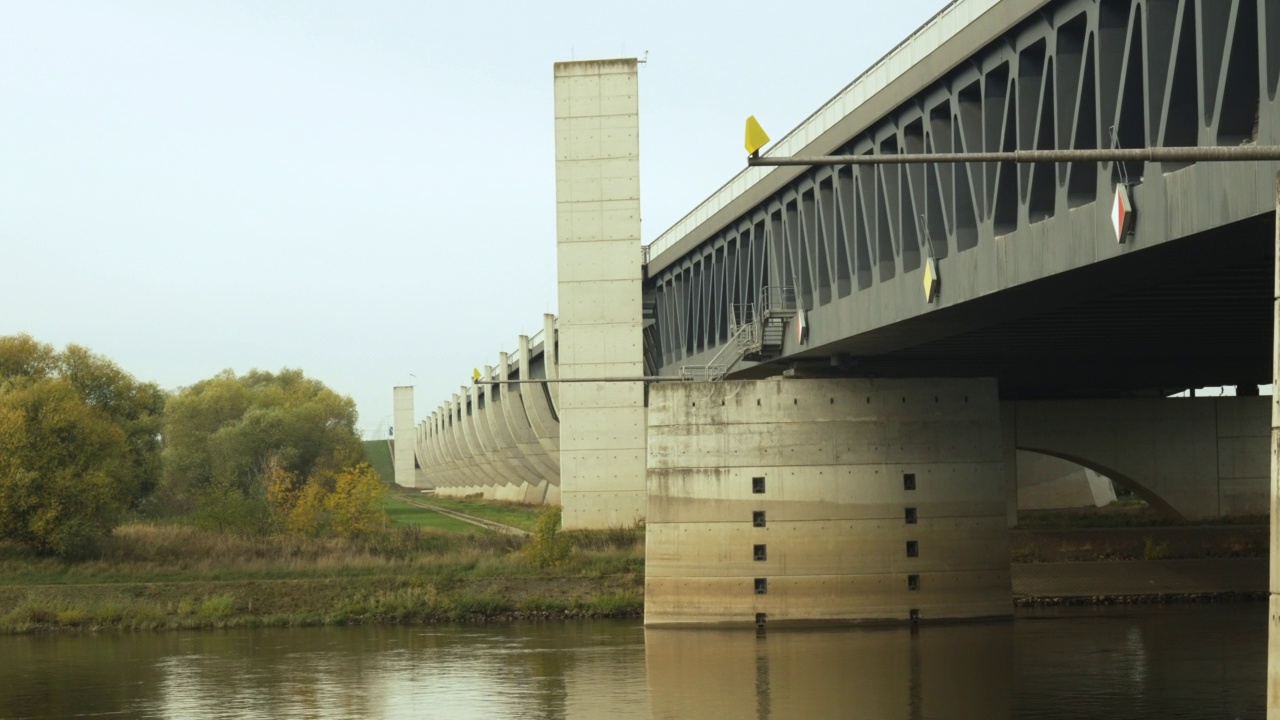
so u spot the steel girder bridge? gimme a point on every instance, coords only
(996, 269)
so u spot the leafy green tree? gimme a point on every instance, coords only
(79, 444)
(236, 430)
(136, 408)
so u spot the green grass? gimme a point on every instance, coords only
(403, 514)
(513, 514)
(169, 576)
(378, 454)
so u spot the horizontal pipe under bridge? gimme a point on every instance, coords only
(646, 378)
(1236, 153)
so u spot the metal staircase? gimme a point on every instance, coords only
(753, 335)
(777, 306)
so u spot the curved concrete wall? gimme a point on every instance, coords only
(1050, 483)
(501, 440)
(846, 473)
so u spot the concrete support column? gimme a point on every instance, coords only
(538, 408)
(1273, 617)
(423, 450)
(402, 400)
(524, 468)
(445, 475)
(444, 478)
(521, 430)
(602, 425)
(505, 477)
(490, 480)
(1009, 456)
(803, 501)
(464, 463)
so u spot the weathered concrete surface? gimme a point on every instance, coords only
(538, 408)
(962, 671)
(520, 429)
(406, 473)
(1198, 458)
(602, 426)
(1050, 483)
(836, 459)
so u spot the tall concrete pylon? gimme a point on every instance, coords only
(602, 425)
(402, 401)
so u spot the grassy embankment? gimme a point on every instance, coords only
(429, 568)
(1132, 530)
(378, 454)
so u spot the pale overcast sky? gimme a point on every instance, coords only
(363, 190)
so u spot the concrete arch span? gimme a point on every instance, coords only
(1045, 482)
(1192, 458)
(1147, 494)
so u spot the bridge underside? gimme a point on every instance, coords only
(1194, 313)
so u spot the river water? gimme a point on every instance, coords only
(1188, 661)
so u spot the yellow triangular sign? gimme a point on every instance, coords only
(475, 373)
(756, 136)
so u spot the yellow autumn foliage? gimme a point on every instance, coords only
(355, 505)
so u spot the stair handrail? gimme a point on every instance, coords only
(715, 370)
(777, 298)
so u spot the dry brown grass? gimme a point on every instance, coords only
(173, 576)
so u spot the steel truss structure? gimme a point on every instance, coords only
(1079, 74)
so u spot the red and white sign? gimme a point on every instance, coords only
(1122, 213)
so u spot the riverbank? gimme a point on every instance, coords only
(437, 568)
(1135, 582)
(162, 577)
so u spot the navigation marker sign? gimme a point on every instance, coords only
(1122, 213)
(930, 280)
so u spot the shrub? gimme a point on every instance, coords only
(223, 507)
(355, 505)
(1153, 550)
(548, 546)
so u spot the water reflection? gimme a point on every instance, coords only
(1191, 661)
(959, 671)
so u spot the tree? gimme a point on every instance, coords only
(355, 505)
(233, 430)
(136, 408)
(79, 444)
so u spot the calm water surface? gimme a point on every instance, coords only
(1151, 662)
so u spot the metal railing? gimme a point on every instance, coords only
(719, 365)
(702, 373)
(777, 299)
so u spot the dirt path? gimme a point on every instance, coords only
(481, 522)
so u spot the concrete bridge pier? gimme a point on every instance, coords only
(406, 472)
(809, 501)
